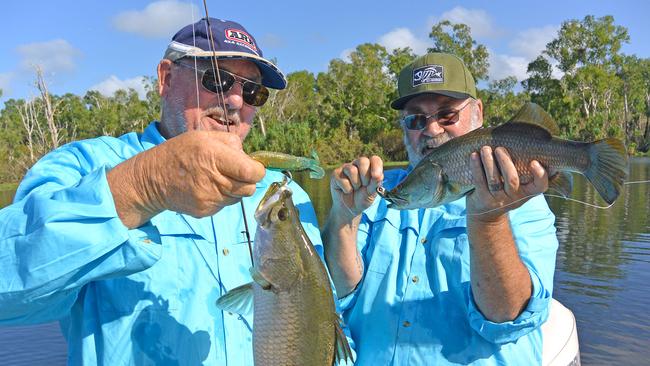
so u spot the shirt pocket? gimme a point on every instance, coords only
(451, 250)
(385, 241)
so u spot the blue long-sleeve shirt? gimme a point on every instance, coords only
(414, 305)
(143, 296)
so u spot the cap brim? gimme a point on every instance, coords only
(272, 77)
(400, 102)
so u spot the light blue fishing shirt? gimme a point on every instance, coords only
(414, 305)
(144, 296)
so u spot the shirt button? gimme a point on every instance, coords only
(146, 241)
(423, 240)
(225, 251)
(415, 279)
(406, 324)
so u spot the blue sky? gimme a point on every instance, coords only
(106, 45)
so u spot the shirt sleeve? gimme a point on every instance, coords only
(534, 233)
(61, 232)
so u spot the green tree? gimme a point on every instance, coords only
(457, 39)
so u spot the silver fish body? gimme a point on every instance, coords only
(444, 174)
(295, 319)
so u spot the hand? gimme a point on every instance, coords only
(197, 173)
(200, 172)
(498, 188)
(354, 186)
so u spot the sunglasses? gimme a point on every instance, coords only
(253, 93)
(445, 117)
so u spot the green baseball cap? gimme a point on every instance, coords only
(435, 73)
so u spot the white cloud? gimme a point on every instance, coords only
(52, 57)
(403, 37)
(502, 66)
(479, 21)
(531, 42)
(109, 86)
(159, 19)
(345, 54)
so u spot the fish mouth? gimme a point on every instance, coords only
(394, 201)
(277, 194)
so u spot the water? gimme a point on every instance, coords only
(603, 272)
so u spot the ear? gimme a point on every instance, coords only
(164, 76)
(479, 105)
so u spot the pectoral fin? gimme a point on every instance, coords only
(342, 351)
(238, 300)
(561, 183)
(259, 278)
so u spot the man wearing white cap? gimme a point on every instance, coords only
(129, 241)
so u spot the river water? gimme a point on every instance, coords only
(603, 276)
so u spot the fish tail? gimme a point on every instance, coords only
(608, 168)
(316, 171)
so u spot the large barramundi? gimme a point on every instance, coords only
(444, 174)
(295, 320)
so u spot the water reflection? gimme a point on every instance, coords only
(602, 271)
(602, 265)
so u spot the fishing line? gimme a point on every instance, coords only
(558, 196)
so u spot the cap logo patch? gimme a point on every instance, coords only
(236, 36)
(429, 74)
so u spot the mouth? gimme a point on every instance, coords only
(218, 120)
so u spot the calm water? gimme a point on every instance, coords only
(603, 273)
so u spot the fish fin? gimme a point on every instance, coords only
(439, 194)
(608, 168)
(562, 183)
(314, 155)
(259, 278)
(532, 113)
(342, 350)
(238, 300)
(316, 172)
(454, 187)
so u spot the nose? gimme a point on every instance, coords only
(233, 97)
(432, 128)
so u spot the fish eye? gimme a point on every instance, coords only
(283, 214)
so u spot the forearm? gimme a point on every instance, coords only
(500, 281)
(341, 254)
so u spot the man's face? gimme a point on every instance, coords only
(185, 110)
(419, 142)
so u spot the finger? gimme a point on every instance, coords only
(478, 174)
(363, 165)
(540, 178)
(340, 181)
(492, 174)
(376, 173)
(236, 165)
(508, 171)
(352, 173)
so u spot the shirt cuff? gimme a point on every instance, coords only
(533, 316)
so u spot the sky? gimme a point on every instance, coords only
(108, 45)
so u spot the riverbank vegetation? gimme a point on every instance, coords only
(582, 79)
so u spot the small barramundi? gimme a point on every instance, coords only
(285, 162)
(295, 320)
(444, 174)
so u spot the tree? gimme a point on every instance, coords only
(457, 39)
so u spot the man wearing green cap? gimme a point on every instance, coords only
(468, 282)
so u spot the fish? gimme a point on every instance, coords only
(285, 162)
(295, 319)
(444, 174)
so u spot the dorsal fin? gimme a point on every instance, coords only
(534, 114)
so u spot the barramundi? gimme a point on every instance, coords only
(294, 316)
(444, 174)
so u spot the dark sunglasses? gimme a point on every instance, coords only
(445, 117)
(253, 93)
